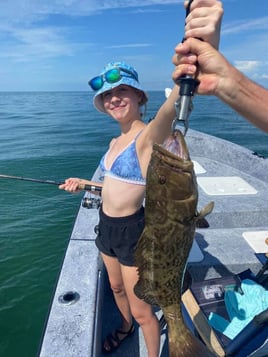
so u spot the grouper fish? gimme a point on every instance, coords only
(163, 248)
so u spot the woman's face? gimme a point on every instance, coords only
(122, 102)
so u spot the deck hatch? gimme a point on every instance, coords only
(199, 169)
(229, 185)
(257, 240)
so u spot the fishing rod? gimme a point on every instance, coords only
(85, 187)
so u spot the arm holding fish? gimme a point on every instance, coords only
(157, 130)
(219, 77)
(203, 21)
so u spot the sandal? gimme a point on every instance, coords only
(113, 340)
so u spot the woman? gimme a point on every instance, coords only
(119, 94)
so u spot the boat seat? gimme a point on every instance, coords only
(205, 297)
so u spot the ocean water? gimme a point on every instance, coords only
(52, 136)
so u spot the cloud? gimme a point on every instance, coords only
(17, 11)
(28, 31)
(254, 69)
(31, 44)
(245, 25)
(247, 66)
(133, 45)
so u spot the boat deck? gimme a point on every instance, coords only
(231, 176)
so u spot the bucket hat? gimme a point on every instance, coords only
(128, 76)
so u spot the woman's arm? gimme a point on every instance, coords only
(203, 21)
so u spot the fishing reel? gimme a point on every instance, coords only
(91, 202)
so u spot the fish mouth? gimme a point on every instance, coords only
(176, 162)
(176, 144)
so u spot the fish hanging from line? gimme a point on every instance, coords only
(163, 248)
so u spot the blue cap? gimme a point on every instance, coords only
(127, 80)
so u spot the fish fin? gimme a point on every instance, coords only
(142, 293)
(203, 213)
(202, 223)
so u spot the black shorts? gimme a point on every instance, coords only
(118, 236)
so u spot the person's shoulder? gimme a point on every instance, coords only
(112, 142)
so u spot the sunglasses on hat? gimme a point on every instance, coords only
(111, 76)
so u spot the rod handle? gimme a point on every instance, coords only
(92, 188)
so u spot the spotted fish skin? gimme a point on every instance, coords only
(164, 246)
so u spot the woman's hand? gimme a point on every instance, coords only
(204, 21)
(73, 185)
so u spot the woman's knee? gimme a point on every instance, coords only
(118, 288)
(143, 316)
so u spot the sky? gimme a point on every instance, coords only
(58, 45)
